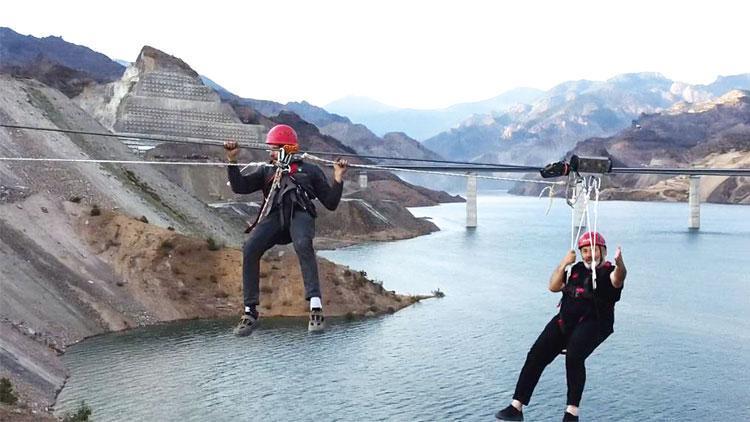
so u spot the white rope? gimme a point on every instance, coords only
(478, 176)
(593, 183)
(269, 198)
(584, 193)
(597, 185)
(574, 198)
(551, 197)
(96, 161)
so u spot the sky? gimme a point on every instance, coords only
(411, 54)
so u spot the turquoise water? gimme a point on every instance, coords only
(680, 351)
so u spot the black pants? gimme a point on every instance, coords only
(580, 343)
(264, 236)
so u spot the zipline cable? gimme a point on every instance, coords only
(462, 166)
(254, 145)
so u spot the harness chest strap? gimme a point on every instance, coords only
(275, 184)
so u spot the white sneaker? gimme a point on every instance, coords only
(317, 320)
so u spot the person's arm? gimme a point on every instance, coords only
(557, 279)
(239, 183)
(618, 275)
(330, 196)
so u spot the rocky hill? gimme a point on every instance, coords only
(713, 133)
(90, 248)
(54, 61)
(355, 136)
(161, 95)
(102, 271)
(79, 259)
(358, 138)
(424, 124)
(569, 113)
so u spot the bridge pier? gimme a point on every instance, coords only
(694, 203)
(471, 200)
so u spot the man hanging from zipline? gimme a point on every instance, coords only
(287, 215)
(585, 319)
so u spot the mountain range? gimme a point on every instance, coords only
(54, 61)
(571, 112)
(713, 133)
(423, 124)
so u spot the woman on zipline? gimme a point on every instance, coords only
(585, 320)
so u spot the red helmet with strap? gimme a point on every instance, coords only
(281, 135)
(585, 240)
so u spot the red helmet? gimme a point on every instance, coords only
(281, 135)
(585, 240)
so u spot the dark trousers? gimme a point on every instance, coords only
(580, 343)
(266, 234)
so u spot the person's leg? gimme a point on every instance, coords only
(261, 239)
(583, 340)
(545, 349)
(302, 232)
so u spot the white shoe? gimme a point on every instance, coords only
(317, 320)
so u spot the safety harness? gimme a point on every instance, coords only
(282, 183)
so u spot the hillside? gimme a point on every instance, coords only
(569, 113)
(80, 259)
(714, 133)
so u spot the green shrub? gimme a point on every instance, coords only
(167, 245)
(7, 395)
(81, 415)
(212, 244)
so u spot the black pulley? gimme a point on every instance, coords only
(590, 164)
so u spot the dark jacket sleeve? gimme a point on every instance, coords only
(246, 184)
(329, 196)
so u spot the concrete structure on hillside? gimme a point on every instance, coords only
(172, 104)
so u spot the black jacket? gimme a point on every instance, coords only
(308, 176)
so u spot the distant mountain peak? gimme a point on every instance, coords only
(638, 76)
(359, 104)
(23, 51)
(151, 59)
(732, 98)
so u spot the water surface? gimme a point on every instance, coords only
(680, 351)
